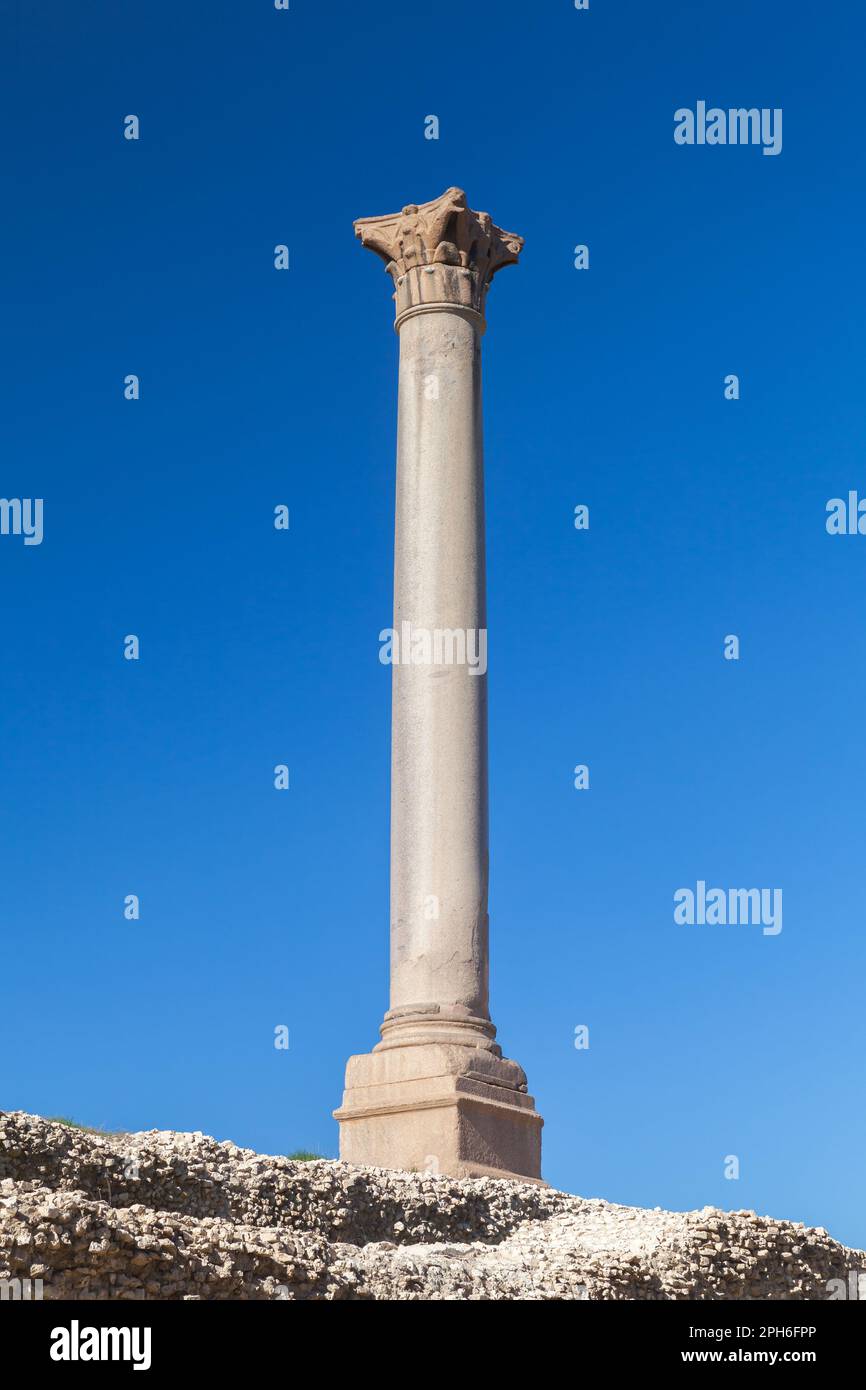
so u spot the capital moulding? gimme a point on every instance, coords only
(440, 252)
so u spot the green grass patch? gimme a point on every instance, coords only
(73, 1124)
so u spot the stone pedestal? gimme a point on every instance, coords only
(436, 1093)
(433, 1109)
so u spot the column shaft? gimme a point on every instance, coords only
(439, 843)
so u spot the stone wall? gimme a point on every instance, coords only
(170, 1216)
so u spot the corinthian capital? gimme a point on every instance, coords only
(440, 252)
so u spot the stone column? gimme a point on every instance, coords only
(436, 1092)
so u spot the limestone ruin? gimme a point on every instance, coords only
(179, 1216)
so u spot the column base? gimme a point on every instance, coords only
(436, 1108)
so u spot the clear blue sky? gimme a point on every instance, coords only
(603, 387)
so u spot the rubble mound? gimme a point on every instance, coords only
(160, 1215)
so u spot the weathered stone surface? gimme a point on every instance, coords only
(208, 1220)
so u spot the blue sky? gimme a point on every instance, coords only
(603, 387)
